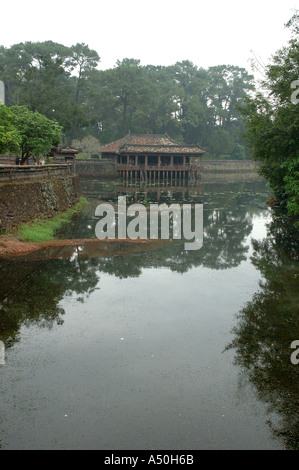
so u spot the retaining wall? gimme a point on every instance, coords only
(13, 172)
(23, 200)
(229, 166)
(102, 168)
(105, 168)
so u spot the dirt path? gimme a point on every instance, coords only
(10, 247)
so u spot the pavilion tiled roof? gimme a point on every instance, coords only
(113, 147)
(150, 144)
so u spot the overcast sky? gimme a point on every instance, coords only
(158, 32)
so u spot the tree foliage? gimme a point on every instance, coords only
(191, 104)
(27, 132)
(89, 145)
(10, 138)
(272, 123)
(50, 78)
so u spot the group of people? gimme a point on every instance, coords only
(39, 162)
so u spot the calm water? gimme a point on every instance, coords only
(155, 348)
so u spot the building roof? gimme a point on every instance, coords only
(65, 150)
(113, 147)
(68, 150)
(150, 144)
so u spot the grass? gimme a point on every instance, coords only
(43, 230)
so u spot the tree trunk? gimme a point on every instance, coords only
(25, 158)
(125, 115)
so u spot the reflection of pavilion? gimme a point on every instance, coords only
(154, 158)
(159, 192)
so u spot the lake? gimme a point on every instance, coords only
(156, 347)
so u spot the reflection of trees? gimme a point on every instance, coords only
(31, 290)
(228, 212)
(223, 247)
(34, 289)
(267, 326)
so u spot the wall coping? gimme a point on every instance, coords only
(13, 172)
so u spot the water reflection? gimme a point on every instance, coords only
(31, 288)
(34, 289)
(228, 213)
(268, 325)
(31, 292)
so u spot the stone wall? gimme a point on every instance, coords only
(106, 168)
(92, 168)
(18, 172)
(22, 201)
(229, 166)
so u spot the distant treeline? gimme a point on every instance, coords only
(191, 104)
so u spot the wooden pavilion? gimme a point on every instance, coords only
(154, 157)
